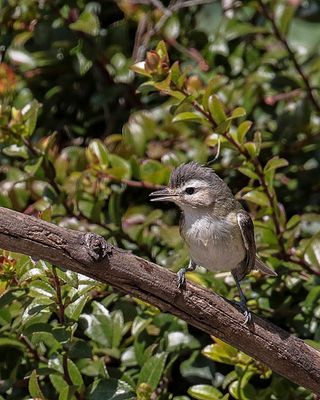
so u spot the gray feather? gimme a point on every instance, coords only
(247, 231)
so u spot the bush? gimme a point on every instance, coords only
(98, 103)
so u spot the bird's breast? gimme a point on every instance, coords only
(214, 243)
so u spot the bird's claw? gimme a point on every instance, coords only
(181, 278)
(246, 313)
(247, 317)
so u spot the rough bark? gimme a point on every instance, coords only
(91, 255)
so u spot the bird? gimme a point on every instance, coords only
(218, 232)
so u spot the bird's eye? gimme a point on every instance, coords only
(189, 190)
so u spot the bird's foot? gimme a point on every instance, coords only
(246, 313)
(181, 278)
(247, 317)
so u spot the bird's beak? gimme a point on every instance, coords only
(163, 195)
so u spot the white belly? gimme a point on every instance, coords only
(213, 243)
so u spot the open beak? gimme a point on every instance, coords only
(163, 195)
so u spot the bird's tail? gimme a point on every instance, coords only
(263, 268)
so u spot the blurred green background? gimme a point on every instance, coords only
(99, 101)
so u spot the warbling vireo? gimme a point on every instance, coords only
(218, 232)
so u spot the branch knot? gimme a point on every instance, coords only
(98, 248)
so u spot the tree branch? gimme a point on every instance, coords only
(91, 255)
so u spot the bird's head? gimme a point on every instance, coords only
(193, 186)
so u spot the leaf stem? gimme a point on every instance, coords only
(57, 285)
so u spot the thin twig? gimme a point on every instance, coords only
(32, 349)
(273, 99)
(57, 285)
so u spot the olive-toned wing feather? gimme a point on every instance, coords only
(247, 231)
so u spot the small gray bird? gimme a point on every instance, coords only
(218, 232)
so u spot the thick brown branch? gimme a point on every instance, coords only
(91, 255)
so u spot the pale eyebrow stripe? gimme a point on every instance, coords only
(196, 183)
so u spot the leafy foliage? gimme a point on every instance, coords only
(98, 104)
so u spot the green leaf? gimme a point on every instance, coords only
(41, 288)
(178, 340)
(99, 325)
(134, 136)
(84, 64)
(241, 390)
(275, 163)
(98, 153)
(111, 389)
(251, 149)
(114, 208)
(205, 392)
(221, 352)
(188, 116)
(286, 12)
(216, 109)
(87, 23)
(155, 172)
(312, 252)
(257, 142)
(237, 29)
(30, 114)
(58, 382)
(117, 328)
(248, 172)
(16, 151)
(79, 348)
(152, 370)
(243, 129)
(257, 197)
(161, 49)
(33, 166)
(211, 87)
(8, 342)
(312, 297)
(46, 338)
(223, 127)
(120, 167)
(21, 57)
(139, 324)
(237, 113)
(293, 222)
(140, 68)
(175, 72)
(171, 28)
(61, 334)
(74, 373)
(144, 392)
(74, 309)
(67, 392)
(95, 368)
(34, 387)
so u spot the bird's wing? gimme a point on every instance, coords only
(247, 232)
(264, 268)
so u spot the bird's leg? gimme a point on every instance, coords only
(182, 272)
(243, 302)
